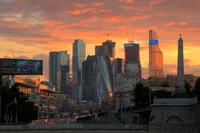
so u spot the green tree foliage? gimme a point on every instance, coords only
(27, 111)
(141, 94)
(165, 84)
(188, 88)
(161, 94)
(196, 91)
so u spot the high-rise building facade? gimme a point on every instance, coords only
(180, 67)
(88, 78)
(97, 78)
(59, 70)
(79, 52)
(110, 48)
(132, 59)
(63, 71)
(117, 67)
(132, 53)
(101, 50)
(155, 56)
(53, 67)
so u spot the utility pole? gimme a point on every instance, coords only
(121, 91)
(0, 105)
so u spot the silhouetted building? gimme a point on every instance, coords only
(59, 70)
(53, 67)
(117, 67)
(79, 51)
(101, 50)
(155, 56)
(97, 78)
(132, 59)
(110, 48)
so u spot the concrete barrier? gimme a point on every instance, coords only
(79, 128)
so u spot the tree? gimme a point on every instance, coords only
(188, 88)
(141, 94)
(196, 90)
(165, 84)
(161, 94)
(27, 111)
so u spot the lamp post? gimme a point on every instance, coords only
(121, 91)
(15, 101)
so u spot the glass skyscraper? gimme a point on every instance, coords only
(63, 72)
(117, 67)
(79, 51)
(53, 67)
(59, 70)
(155, 56)
(97, 78)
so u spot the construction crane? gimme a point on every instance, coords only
(130, 40)
(108, 34)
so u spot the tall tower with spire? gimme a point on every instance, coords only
(180, 68)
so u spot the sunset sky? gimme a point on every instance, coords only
(33, 28)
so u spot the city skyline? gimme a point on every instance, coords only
(31, 27)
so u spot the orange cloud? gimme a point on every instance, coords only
(183, 23)
(78, 12)
(98, 3)
(80, 5)
(169, 24)
(127, 1)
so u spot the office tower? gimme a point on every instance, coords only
(63, 71)
(117, 67)
(155, 56)
(180, 68)
(53, 67)
(101, 50)
(88, 78)
(97, 78)
(132, 59)
(79, 51)
(110, 48)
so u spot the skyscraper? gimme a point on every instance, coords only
(79, 51)
(180, 67)
(132, 53)
(53, 67)
(132, 59)
(63, 72)
(155, 56)
(117, 67)
(59, 70)
(110, 48)
(101, 50)
(97, 78)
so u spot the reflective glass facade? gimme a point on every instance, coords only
(53, 67)
(155, 56)
(97, 78)
(79, 52)
(117, 67)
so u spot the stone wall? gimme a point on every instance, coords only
(174, 128)
(182, 114)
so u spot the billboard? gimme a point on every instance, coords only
(21, 67)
